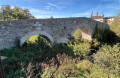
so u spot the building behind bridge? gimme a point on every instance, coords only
(102, 18)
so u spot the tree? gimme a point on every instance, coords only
(15, 13)
(115, 26)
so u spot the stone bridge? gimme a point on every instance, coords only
(56, 29)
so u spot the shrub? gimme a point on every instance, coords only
(35, 38)
(108, 57)
(77, 34)
(40, 43)
(62, 48)
(61, 69)
(34, 53)
(97, 38)
(99, 72)
(97, 34)
(54, 68)
(62, 66)
(115, 26)
(80, 48)
(96, 43)
(109, 37)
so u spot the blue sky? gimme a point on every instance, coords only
(66, 8)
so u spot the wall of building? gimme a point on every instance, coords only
(99, 19)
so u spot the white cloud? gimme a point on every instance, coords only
(3, 7)
(51, 4)
(39, 11)
(56, 6)
(47, 7)
(0, 9)
(33, 10)
(12, 7)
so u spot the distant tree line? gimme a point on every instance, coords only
(8, 12)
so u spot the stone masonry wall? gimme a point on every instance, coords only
(56, 29)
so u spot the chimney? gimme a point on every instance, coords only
(51, 17)
(97, 13)
(102, 14)
(92, 13)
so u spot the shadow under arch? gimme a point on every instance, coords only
(28, 35)
(85, 32)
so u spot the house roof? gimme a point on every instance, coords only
(94, 17)
(109, 17)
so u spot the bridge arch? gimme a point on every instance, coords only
(28, 35)
(86, 32)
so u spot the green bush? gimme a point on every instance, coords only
(63, 66)
(99, 72)
(60, 67)
(97, 34)
(91, 70)
(80, 48)
(95, 43)
(77, 34)
(110, 37)
(105, 37)
(36, 52)
(115, 25)
(108, 57)
(33, 39)
(62, 48)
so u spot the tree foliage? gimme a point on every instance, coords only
(115, 26)
(77, 34)
(14, 13)
(108, 57)
(80, 48)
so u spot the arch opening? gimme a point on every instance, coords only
(34, 35)
(82, 32)
(36, 39)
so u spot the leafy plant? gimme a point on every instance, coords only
(98, 34)
(80, 48)
(62, 48)
(60, 67)
(8, 13)
(115, 25)
(110, 37)
(33, 53)
(108, 57)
